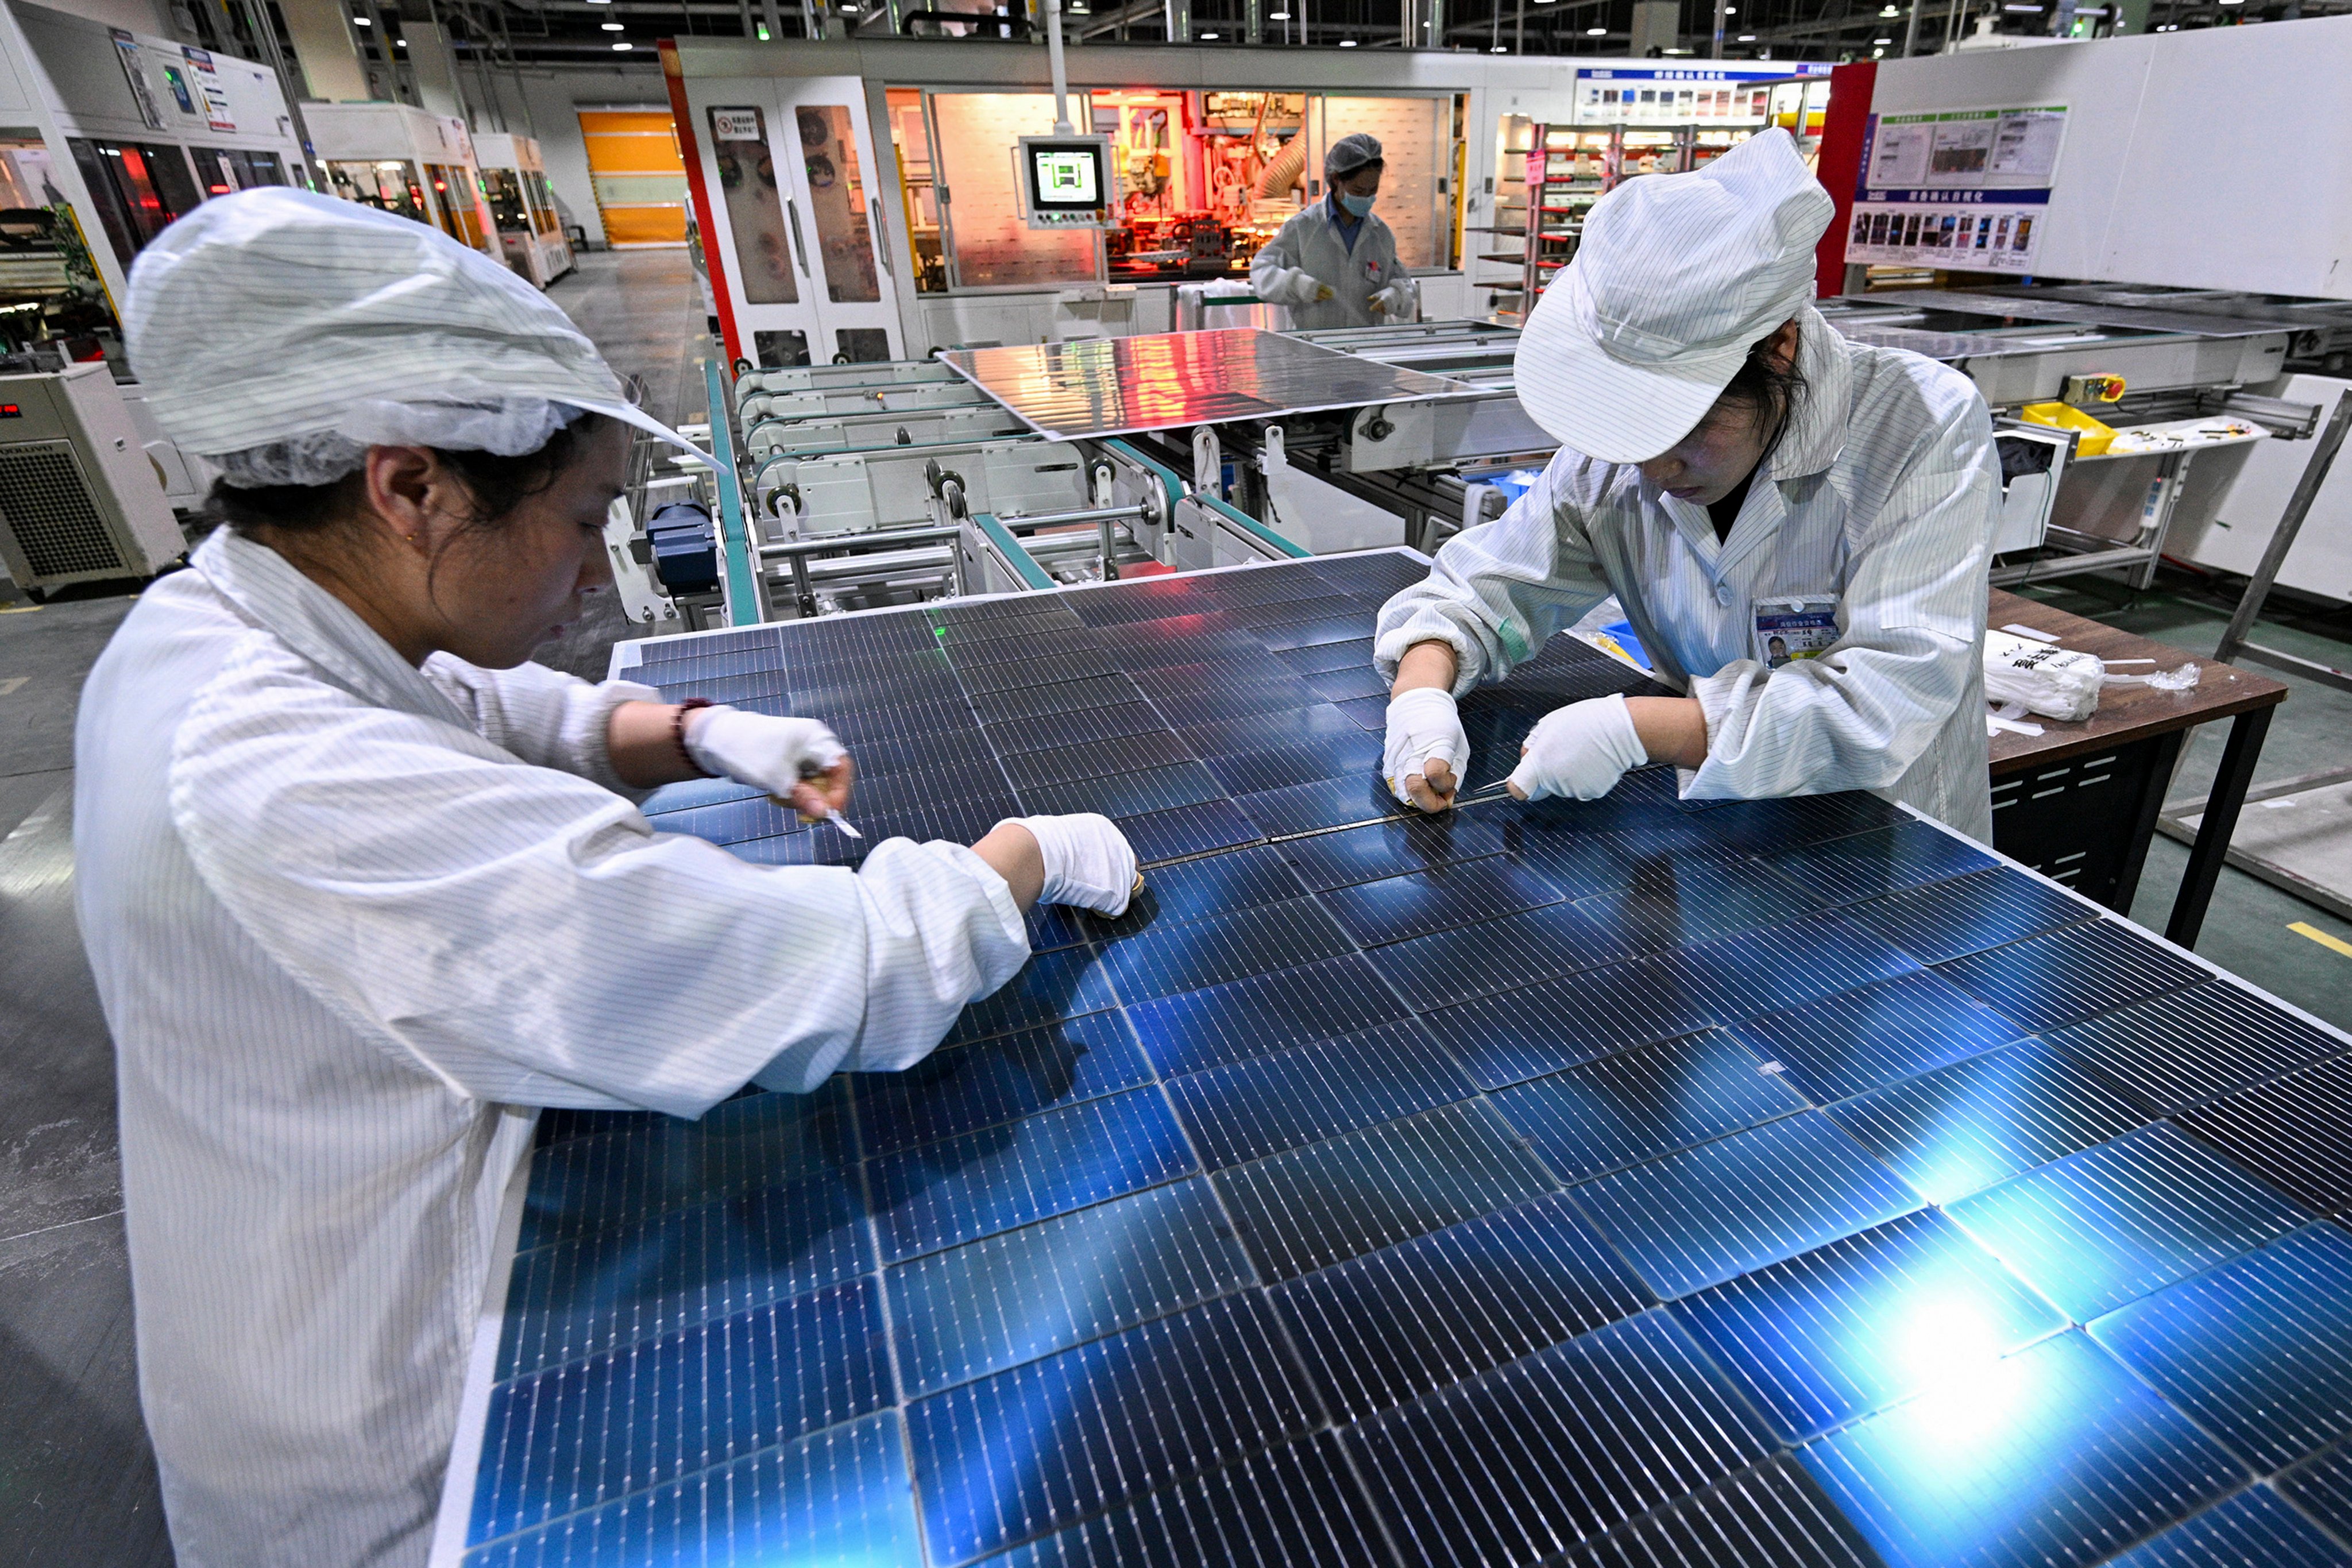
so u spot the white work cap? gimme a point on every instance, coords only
(281, 334)
(1350, 154)
(1678, 275)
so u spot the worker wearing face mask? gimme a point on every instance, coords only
(362, 886)
(1335, 264)
(1797, 525)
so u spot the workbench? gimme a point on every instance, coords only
(2079, 802)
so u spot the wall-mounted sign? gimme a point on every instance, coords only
(1681, 95)
(1967, 189)
(209, 87)
(126, 49)
(735, 125)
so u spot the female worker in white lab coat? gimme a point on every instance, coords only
(1335, 264)
(1797, 525)
(360, 885)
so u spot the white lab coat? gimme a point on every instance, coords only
(1309, 251)
(346, 918)
(1884, 492)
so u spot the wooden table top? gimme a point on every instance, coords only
(2126, 713)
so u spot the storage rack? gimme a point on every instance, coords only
(1543, 205)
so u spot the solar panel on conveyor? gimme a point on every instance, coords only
(1632, 1182)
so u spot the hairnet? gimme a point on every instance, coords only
(1350, 154)
(281, 333)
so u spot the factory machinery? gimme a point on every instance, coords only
(2125, 423)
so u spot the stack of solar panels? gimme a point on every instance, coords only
(1628, 1182)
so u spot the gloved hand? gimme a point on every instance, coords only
(797, 760)
(1580, 751)
(1324, 291)
(1087, 861)
(1426, 748)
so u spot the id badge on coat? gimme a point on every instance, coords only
(1797, 626)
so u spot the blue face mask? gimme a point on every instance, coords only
(1358, 206)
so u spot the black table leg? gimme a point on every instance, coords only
(2162, 749)
(2218, 825)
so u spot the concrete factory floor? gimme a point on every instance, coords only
(77, 1480)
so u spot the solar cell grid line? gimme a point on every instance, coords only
(2124, 1218)
(2253, 1527)
(729, 689)
(2294, 1133)
(1130, 794)
(1347, 626)
(1277, 766)
(1471, 961)
(860, 724)
(1221, 883)
(1185, 831)
(1340, 685)
(1253, 585)
(981, 1182)
(1321, 659)
(1769, 1513)
(1094, 691)
(1190, 955)
(2322, 1488)
(1965, 915)
(1420, 903)
(2175, 1051)
(1102, 759)
(1831, 1335)
(1510, 1036)
(1244, 1018)
(2258, 1352)
(1074, 727)
(1520, 1463)
(748, 638)
(1966, 1126)
(1168, 1400)
(890, 756)
(1215, 674)
(1852, 1042)
(993, 1303)
(1326, 803)
(1013, 675)
(1405, 1320)
(1294, 1505)
(1238, 701)
(962, 1089)
(1310, 1207)
(1665, 903)
(1051, 987)
(613, 1287)
(1150, 644)
(1031, 647)
(1635, 1105)
(2050, 980)
(1262, 1106)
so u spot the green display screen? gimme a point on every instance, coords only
(1065, 176)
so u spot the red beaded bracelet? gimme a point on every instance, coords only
(678, 732)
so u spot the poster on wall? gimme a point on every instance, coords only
(210, 89)
(1681, 95)
(1965, 188)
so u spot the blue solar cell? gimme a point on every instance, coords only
(1960, 1128)
(1269, 1103)
(1637, 1104)
(2252, 1530)
(2295, 1132)
(2174, 1052)
(841, 1495)
(1147, 645)
(2322, 1488)
(965, 1088)
(1005, 1300)
(1126, 795)
(2259, 1352)
(1309, 1208)
(1090, 695)
(734, 821)
(1325, 803)
(1667, 902)
(2099, 1229)
(1051, 986)
(1040, 1446)
(1265, 731)
(1535, 944)
(1340, 685)
(1189, 955)
(860, 723)
(1237, 702)
(1697, 1217)
(1408, 1320)
(1316, 658)
(1294, 1505)
(1772, 1512)
(896, 756)
(1580, 864)
(1187, 830)
(1013, 675)
(1858, 1040)
(729, 688)
(1213, 884)
(1202, 1029)
(1777, 827)
(1366, 854)
(1074, 727)
(2047, 981)
(1098, 758)
(1780, 966)
(692, 793)
(1968, 913)
(977, 1184)
(1338, 756)
(1054, 926)
(1221, 674)
(1538, 1455)
(2054, 1456)
(1819, 1339)
(1346, 628)
(938, 685)
(577, 1435)
(1440, 899)
(584, 1297)
(1368, 714)
(1042, 647)
(1513, 1036)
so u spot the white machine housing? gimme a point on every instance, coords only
(79, 501)
(537, 250)
(386, 134)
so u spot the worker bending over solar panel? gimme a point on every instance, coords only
(359, 882)
(1797, 526)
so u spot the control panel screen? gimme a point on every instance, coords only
(1065, 177)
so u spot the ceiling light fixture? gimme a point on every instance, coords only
(625, 46)
(1747, 38)
(1208, 37)
(1347, 43)
(1596, 32)
(362, 21)
(610, 26)
(1882, 40)
(1497, 49)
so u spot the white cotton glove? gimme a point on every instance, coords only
(1580, 751)
(779, 755)
(1425, 726)
(1088, 861)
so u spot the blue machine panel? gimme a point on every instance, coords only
(1532, 1184)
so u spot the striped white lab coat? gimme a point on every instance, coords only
(1884, 492)
(347, 919)
(1309, 251)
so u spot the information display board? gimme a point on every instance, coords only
(1066, 181)
(1959, 188)
(1682, 95)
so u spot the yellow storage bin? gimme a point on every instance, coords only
(2095, 438)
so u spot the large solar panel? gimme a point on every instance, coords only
(1641, 1181)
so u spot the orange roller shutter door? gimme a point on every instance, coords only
(640, 179)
